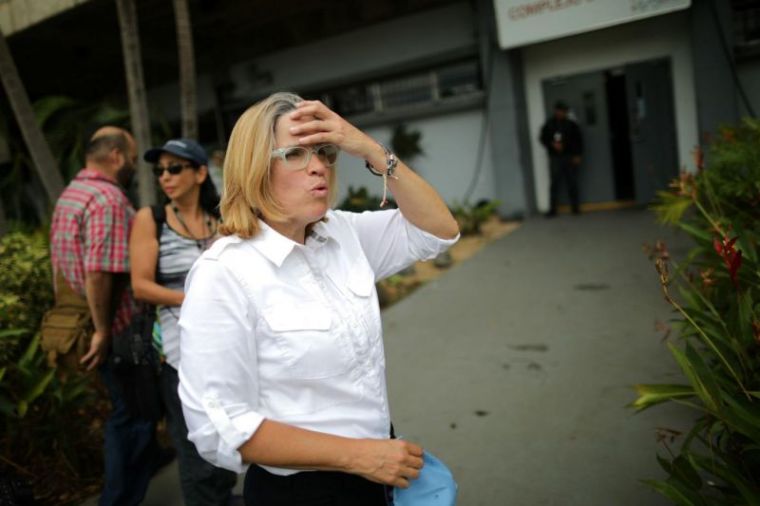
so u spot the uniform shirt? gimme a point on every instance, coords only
(89, 232)
(274, 329)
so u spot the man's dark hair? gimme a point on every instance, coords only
(99, 147)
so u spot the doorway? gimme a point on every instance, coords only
(626, 117)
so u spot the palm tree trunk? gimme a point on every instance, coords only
(43, 161)
(138, 102)
(187, 85)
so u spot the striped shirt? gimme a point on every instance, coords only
(90, 233)
(176, 255)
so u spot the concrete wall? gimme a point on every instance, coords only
(717, 102)
(450, 145)
(16, 15)
(450, 140)
(749, 76)
(379, 48)
(663, 36)
(374, 51)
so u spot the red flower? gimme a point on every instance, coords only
(731, 257)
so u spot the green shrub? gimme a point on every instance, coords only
(715, 294)
(26, 289)
(471, 218)
(51, 425)
(359, 200)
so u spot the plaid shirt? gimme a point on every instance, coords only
(90, 232)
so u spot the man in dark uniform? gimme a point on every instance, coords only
(562, 139)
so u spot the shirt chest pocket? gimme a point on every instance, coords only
(310, 345)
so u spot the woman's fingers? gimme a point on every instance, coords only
(391, 462)
(319, 124)
(414, 449)
(311, 108)
(415, 462)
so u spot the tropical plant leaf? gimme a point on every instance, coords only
(743, 416)
(684, 471)
(693, 367)
(47, 107)
(671, 207)
(38, 387)
(731, 475)
(13, 333)
(652, 394)
(678, 494)
(28, 356)
(694, 231)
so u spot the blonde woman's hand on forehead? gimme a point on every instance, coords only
(318, 124)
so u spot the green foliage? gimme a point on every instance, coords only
(66, 123)
(25, 285)
(51, 425)
(359, 200)
(406, 144)
(470, 218)
(715, 294)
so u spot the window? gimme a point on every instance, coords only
(426, 87)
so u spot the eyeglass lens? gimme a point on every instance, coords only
(298, 157)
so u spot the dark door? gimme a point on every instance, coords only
(652, 127)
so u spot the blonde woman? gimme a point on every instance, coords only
(282, 366)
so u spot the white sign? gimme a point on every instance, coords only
(522, 22)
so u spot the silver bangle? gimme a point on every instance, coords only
(390, 163)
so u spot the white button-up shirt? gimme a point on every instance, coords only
(272, 329)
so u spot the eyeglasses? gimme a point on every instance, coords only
(172, 169)
(298, 157)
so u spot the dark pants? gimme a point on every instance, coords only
(563, 171)
(312, 488)
(202, 483)
(131, 451)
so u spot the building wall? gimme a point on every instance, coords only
(380, 48)
(449, 140)
(749, 76)
(450, 145)
(662, 36)
(16, 15)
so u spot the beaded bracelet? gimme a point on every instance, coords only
(390, 167)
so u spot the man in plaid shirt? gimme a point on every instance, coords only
(89, 245)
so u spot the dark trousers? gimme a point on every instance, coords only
(203, 484)
(312, 488)
(131, 451)
(563, 172)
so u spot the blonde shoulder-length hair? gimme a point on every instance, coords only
(247, 192)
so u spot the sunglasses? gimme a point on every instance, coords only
(172, 169)
(298, 157)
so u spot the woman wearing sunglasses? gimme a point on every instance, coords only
(164, 244)
(282, 368)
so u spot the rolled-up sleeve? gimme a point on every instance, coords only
(391, 243)
(218, 364)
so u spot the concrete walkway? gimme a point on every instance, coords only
(516, 366)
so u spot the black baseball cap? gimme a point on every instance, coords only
(184, 148)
